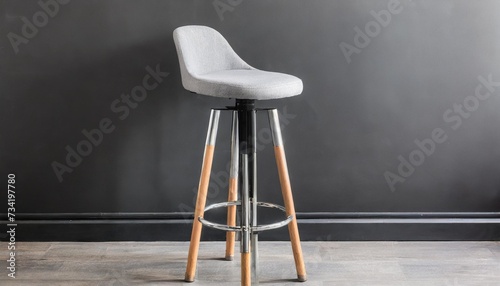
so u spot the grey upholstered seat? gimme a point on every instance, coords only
(210, 66)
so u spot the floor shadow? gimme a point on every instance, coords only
(278, 281)
(214, 259)
(180, 281)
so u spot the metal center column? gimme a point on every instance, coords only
(248, 189)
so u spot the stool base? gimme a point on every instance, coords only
(243, 181)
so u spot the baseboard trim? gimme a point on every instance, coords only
(313, 226)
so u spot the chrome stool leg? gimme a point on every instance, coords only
(287, 194)
(202, 195)
(255, 234)
(245, 224)
(233, 187)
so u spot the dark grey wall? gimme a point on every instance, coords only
(360, 110)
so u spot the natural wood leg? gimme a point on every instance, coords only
(245, 269)
(199, 211)
(231, 218)
(290, 209)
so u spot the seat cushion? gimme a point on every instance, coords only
(246, 84)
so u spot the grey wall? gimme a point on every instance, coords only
(350, 125)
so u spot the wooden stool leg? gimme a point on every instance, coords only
(246, 279)
(287, 194)
(202, 195)
(233, 188)
(231, 218)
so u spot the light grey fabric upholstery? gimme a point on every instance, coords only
(210, 66)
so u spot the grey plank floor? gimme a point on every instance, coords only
(328, 263)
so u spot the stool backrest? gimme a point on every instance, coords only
(203, 50)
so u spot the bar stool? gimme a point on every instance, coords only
(209, 66)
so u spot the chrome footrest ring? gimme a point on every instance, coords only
(256, 228)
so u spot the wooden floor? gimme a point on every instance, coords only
(328, 263)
